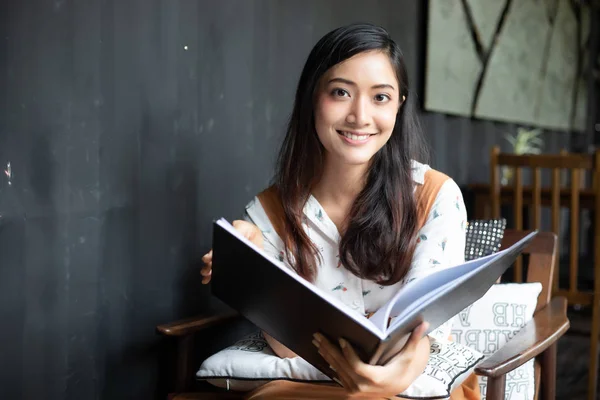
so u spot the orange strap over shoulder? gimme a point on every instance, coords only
(427, 192)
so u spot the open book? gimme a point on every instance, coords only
(291, 309)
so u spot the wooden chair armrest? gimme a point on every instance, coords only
(546, 327)
(192, 325)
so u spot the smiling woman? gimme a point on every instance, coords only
(356, 107)
(354, 209)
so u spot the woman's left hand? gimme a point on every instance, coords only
(390, 379)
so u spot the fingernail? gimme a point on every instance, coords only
(333, 369)
(317, 337)
(317, 344)
(342, 343)
(338, 381)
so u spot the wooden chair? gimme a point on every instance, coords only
(537, 339)
(582, 167)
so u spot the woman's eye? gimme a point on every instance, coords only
(382, 98)
(340, 93)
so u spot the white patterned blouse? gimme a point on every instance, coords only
(440, 244)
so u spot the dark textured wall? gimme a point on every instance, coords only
(129, 125)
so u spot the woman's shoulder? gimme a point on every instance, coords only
(430, 180)
(432, 188)
(266, 211)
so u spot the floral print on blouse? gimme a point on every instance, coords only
(440, 244)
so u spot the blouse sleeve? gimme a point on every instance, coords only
(441, 241)
(272, 243)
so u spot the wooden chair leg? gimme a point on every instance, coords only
(548, 375)
(184, 349)
(593, 370)
(495, 388)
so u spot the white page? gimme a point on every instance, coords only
(421, 287)
(321, 293)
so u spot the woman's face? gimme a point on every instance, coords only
(356, 105)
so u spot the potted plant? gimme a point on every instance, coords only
(524, 141)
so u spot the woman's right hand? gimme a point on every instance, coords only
(248, 230)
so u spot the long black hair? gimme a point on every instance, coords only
(380, 236)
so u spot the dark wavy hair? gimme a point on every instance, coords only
(380, 238)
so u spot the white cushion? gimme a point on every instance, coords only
(494, 319)
(449, 364)
(250, 363)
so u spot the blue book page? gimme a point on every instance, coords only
(422, 288)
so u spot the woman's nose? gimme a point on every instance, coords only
(359, 113)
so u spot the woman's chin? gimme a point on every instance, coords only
(355, 160)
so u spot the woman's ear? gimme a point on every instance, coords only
(402, 102)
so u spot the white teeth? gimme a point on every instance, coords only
(355, 137)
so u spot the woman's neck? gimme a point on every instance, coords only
(338, 188)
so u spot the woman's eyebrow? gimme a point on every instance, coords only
(349, 82)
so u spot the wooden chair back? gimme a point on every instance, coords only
(574, 196)
(541, 252)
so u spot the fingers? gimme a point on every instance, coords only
(207, 258)
(337, 362)
(417, 334)
(414, 339)
(351, 356)
(206, 271)
(250, 231)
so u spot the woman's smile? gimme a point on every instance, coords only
(355, 138)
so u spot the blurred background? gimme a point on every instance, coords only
(127, 126)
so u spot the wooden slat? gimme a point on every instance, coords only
(542, 259)
(574, 249)
(536, 379)
(495, 182)
(593, 368)
(555, 209)
(581, 298)
(537, 198)
(495, 389)
(518, 185)
(548, 372)
(569, 161)
(518, 209)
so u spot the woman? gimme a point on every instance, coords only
(352, 209)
